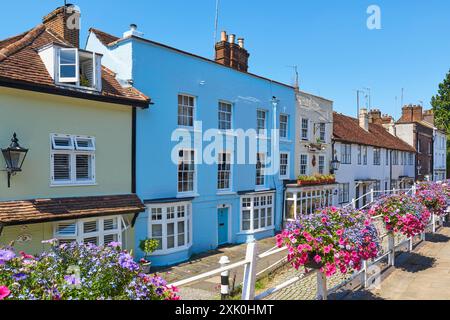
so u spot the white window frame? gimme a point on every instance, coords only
(194, 176)
(288, 165)
(230, 171)
(344, 193)
(261, 170)
(304, 129)
(323, 132)
(364, 155)
(75, 79)
(395, 158)
(321, 164)
(377, 156)
(228, 104)
(269, 224)
(73, 150)
(286, 124)
(303, 161)
(359, 155)
(346, 153)
(164, 221)
(182, 105)
(261, 131)
(80, 236)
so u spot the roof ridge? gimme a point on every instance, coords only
(22, 42)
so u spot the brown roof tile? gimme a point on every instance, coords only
(20, 62)
(347, 129)
(104, 37)
(47, 210)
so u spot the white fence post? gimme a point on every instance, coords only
(354, 203)
(433, 221)
(394, 191)
(391, 248)
(322, 291)
(248, 287)
(411, 244)
(372, 196)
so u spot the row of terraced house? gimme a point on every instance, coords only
(128, 139)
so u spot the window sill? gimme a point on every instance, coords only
(170, 251)
(259, 189)
(187, 195)
(256, 231)
(84, 184)
(226, 193)
(189, 129)
(229, 133)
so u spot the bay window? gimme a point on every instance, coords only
(257, 212)
(170, 224)
(72, 160)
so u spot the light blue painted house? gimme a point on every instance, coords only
(199, 195)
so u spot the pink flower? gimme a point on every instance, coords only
(4, 292)
(327, 249)
(318, 259)
(340, 232)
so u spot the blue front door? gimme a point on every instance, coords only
(223, 226)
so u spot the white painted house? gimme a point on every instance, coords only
(439, 148)
(371, 158)
(313, 155)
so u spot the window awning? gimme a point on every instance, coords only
(48, 210)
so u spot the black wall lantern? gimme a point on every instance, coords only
(14, 157)
(335, 165)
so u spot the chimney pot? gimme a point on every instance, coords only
(364, 119)
(241, 43)
(223, 36)
(232, 38)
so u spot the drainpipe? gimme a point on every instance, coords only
(275, 149)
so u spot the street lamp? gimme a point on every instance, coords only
(335, 165)
(14, 156)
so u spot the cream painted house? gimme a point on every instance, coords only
(77, 123)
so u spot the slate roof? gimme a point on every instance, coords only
(20, 64)
(48, 210)
(347, 129)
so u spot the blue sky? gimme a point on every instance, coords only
(328, 39)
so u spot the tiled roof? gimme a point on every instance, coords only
(21, 63)
(347, 129)
(104, 37)
(47, 210)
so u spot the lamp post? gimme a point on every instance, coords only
(14, 157)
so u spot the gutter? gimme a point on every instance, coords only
(14, 84)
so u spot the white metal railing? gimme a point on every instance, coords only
(364, 275)
(373, 194)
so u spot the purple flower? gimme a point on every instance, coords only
(19, 276)
(115, 244)
(6, 255)
(72, 280)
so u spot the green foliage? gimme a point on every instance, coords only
(148, 246)
(441, 105)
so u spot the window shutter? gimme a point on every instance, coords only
(66, 229)
(83, 167)
(61, 167)
(90, 226)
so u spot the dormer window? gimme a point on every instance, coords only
(68, 66)
(73, 66)
(79, 68)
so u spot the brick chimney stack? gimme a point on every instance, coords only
(428, 116)
(65, 22)
(375, 116)
(232, 54)
(412, 113)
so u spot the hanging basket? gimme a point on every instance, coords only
(311, 264)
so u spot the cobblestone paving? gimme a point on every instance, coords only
(304, 289)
